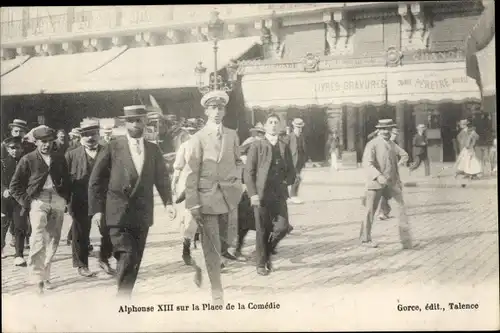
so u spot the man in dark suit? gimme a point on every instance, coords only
(11, 210)
(41, 185)
(107, 132)
(420, 150)
(121, 194)
(268, 172)
(18, 128)
(80, 161)
(61, 144)
(299, 156)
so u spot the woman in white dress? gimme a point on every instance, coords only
(467, 162)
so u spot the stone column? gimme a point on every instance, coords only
(349, 157)
(400, 121)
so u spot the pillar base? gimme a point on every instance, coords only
(349, 159)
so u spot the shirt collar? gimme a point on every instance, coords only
(273, 139)
(134, 140)
(213, 126)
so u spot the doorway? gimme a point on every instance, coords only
(315, 130)
(450, 116)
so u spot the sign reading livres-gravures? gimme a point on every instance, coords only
(336, 87)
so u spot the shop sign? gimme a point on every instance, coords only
(357, 86)
(433, 85)
(426, 56)
(311, 63)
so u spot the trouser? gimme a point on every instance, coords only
(372, 201)
(212, 232)
(421, 158)
(271, 222)
(333, 161)
(128, 248)
(80, 228)
(384, 208)
(294, 191)
(46, 217)
(70, 232)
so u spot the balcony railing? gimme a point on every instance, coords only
(113, 18)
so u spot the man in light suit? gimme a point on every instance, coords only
(299, 156)
(380, 160)
(213, 184)
(121, 194)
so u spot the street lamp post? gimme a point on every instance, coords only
(215, 31)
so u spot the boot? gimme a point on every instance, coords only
(186, 251)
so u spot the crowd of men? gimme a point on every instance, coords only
(216, 183)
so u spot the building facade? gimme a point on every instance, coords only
(340, 66)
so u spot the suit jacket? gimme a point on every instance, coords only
(61, 148)
(258, 163)
(79, 171)
(8, 168)
(299, 159)
(381, 158)
(213, 171)
(73, 145)
(31, 174)
(419, 144)
(125, 197)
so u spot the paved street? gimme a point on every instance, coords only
(320, 268)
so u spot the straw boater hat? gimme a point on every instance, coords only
(19, 123)
(298, 122)
(107, 129)
(218, 97)
(89, 125)
(134, 111)
(385, 123)
(259, 128)
(421, 126)
(75, 132)
(44, 133)
(190, 124)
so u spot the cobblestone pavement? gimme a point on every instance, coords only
(321, 261)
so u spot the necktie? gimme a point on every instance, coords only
(219, 133)
(138, 147)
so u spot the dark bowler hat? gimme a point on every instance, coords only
(19, 123)
(13, 140)
(88, 125)
(134, 111)
(385, 123)
(44, 133)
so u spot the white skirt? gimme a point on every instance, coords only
(468, 163)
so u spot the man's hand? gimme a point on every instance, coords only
(6, 193)
(97, 219)
(255, 200)
(382, 180)
(196, 214)
(171, 212)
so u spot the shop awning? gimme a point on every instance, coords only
(486, 63)
(7, 66)
(39, 74)
(159, 67)
(431, 83)
(352, 86)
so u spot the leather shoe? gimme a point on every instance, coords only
(269, 266)
(262, 271)
(106, 268)
(47, 285)
(84, 271)
(229, 256)
(369, 244)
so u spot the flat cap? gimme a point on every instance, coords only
(44, 133)
(12, 140)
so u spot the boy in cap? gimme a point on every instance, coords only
(420, 150)
(213, 185)
(380, 160)
(81, 161)
(41, 186)
(74, 139)
(11, 210)
(299, 156)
